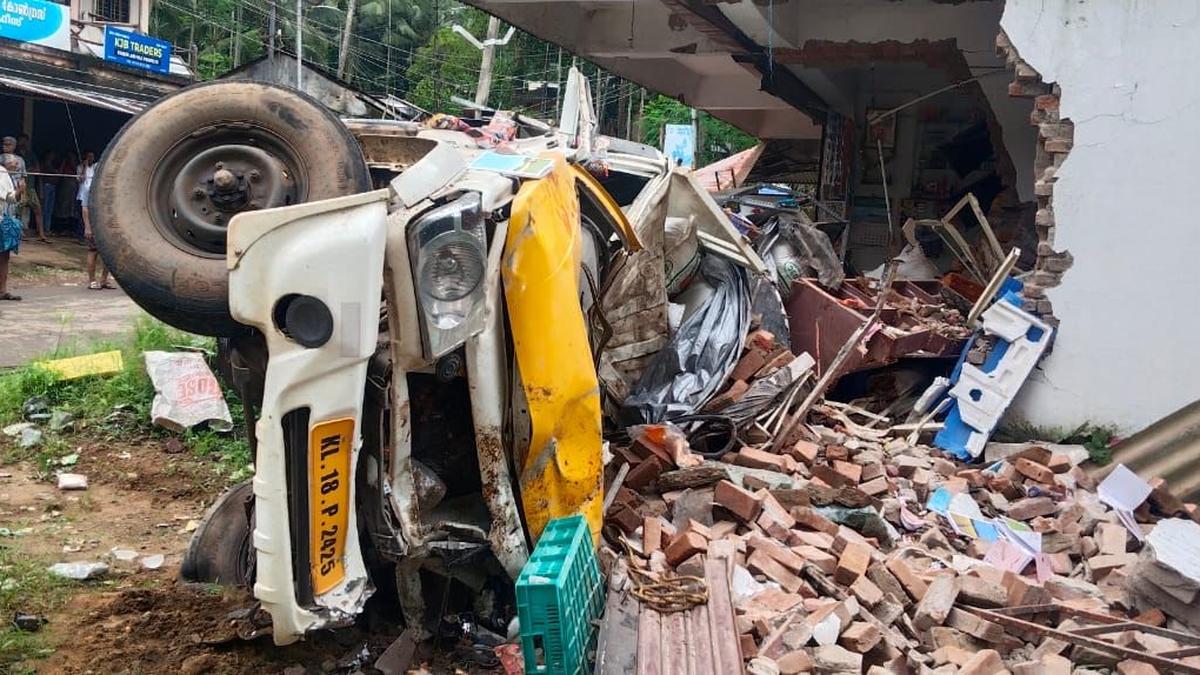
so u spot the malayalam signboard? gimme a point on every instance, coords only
(679, 143)
(136, 50)
(37, 22)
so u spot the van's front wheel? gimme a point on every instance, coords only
(176, 174)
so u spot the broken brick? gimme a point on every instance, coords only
(1031, 507)
(643, 474)
(741, 503)
(936, 602)
(1034, 471)
(684, 545)
(820, 559)
(983, 662)
(854, 561)
(810, 518)
(760, 459)
(860, 637)
(804, 451)
(913, 584)
(850, 471)
(764, 564)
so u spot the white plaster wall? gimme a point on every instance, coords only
(1125, 206)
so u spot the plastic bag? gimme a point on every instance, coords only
(687, 372)
(669, 439)
(185, 392)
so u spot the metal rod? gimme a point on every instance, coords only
(1074, 637)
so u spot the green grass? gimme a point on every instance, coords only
(117, 407)
(30, 589)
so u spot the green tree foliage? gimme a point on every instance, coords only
(408, 48)
(718, 138)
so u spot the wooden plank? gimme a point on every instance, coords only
(727, 650)
(649, 642)
(674, 635)
(619, 630)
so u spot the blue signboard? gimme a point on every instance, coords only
(37, 22)
(136, 50)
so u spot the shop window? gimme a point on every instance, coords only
(116, 11)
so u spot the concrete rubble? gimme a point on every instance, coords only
(853, 550)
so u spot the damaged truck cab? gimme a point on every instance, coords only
(422, 357)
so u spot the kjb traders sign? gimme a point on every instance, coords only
(136, 50)
(37, 22)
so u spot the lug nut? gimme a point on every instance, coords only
(198, 193)
(220, 165)
(217, 219)
(255, 175)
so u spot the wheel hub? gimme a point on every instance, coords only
(214, 184)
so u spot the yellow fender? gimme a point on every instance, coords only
(562, 472)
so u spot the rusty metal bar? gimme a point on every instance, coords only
(1181, 653)
(1107, 628)
(1096, 617)
(1008, 617)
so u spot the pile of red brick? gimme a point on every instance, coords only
(838, 566)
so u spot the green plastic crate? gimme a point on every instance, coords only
(560, 595)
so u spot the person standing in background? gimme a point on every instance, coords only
(16, 168)
(68, 190)
(93, 256)
(10, 226)
(49, 187)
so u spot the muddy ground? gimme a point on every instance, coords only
(142, 497)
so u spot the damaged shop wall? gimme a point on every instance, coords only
(815, 31)
(1122, 205)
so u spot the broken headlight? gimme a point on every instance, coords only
(448, 249)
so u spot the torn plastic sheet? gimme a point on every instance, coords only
(687, 372)
(185, 392)
(766, 390)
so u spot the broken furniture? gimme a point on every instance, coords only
(915, 322)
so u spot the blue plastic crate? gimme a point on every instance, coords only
(560, 595)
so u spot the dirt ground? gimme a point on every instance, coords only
(135, 620)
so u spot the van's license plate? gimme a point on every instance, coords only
(330, 446)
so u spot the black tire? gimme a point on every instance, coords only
(222, 550)
(135, 204)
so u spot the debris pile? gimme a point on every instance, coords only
(853, 552)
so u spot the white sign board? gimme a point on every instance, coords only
(679, 143)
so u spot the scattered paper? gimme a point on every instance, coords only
(1007, 556)
(1124, 491)
(939, 501)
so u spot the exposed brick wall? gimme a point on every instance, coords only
(1055, 136)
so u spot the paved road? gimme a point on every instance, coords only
(60, 316)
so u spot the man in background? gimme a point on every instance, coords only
(87, 172)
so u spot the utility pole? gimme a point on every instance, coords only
(558, 85)
(299, 44)
(237, 39)
(192, 37)
(341, 71)
(696, 136)
(271, 38)
(484, 88)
